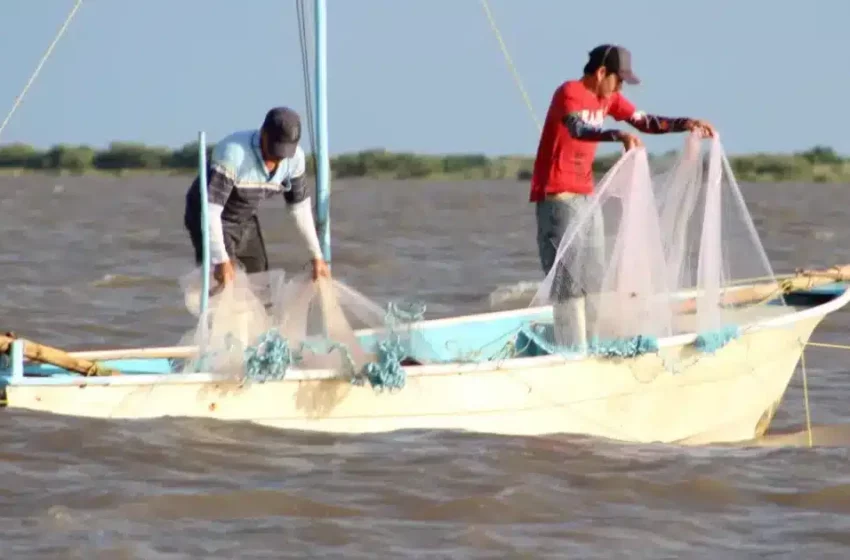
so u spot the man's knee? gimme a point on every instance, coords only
(546, 252)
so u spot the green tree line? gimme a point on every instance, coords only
(818, 164)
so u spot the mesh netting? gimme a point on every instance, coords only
(658, 250)
(654, 254)
(262, 325)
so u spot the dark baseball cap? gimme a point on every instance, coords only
(615, 59)
(283, 131)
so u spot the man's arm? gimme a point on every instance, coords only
(582, 130)
(299, 205)
(623, 110)
(655, 124)
(222, 178)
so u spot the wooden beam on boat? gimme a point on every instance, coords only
(799, 281)
(48, 355)
(176, 352)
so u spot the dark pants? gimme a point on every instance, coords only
(243, 241)
(581, 267)
(578, 272)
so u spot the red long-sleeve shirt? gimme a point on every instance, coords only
(572, 130)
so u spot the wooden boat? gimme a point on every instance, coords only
(484, 372)
(513, 387)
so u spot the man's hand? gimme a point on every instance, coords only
(703, 128)
(630, 141)
(320, 269)
(223, 273)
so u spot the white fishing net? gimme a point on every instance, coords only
(261, 326)
(659, 249)
(654, 253)
(711, 243)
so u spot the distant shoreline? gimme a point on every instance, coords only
(817, 165)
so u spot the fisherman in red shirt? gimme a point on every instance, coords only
(563, 169)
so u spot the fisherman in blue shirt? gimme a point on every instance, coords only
(247, 167)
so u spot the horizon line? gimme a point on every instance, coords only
(604, 145)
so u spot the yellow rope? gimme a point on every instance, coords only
(40, 64)
(806, 395)
(511, 65)
(806, 380)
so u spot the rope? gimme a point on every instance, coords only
(40, 64)
(806, 395)
(804, 372)
(510, 63)
(270, 358)
(308, 87)
(386, 372)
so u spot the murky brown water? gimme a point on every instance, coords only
(93, 262)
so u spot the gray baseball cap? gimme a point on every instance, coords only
(615, 59)
(283, 131)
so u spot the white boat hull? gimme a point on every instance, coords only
(704, 398)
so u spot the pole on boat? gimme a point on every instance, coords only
(17, 359)
(323, 190)
(205, 237)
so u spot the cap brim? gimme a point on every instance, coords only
(282, 150)
(629, 77)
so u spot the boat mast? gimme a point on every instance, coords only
(323, 167)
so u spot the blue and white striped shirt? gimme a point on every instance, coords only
(238, 181)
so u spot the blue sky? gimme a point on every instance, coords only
(422, 75)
